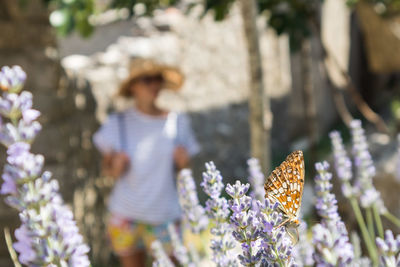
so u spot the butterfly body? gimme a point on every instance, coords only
(285, 186)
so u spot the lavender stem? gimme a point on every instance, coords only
(11, 250)
(360, 220)
(378, 221)
(370, 222)
(392, 218)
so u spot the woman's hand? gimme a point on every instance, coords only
(115, 164)
(181, 157)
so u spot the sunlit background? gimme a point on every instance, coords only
(323, 63)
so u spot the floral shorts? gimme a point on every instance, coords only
(128, 236)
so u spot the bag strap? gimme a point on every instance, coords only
(121, 131)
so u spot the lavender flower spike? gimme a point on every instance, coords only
(161, 258)
(247, 228)
(48, 235)
(332, 246)
(389, 249)
(256, 178)
(275, 243)
(179, 250)
(343, 165)
(218, 212)
(365, 169)
(304, 250)
(193, 212)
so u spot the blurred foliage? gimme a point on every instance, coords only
(395, 108)
(69, 15)
(150, 5)
(292, 17)
(219, 7)
(285, 16)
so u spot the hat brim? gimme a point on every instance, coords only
(173, 79)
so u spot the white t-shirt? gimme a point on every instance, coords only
(147, 191)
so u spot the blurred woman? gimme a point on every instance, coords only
(142, 148)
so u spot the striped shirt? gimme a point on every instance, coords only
(147, 191)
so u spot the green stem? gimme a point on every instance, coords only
(368, 239)
(378, 221)
(10, 248)
(392, 218)
(370, 222)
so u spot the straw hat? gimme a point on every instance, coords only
(173, 78)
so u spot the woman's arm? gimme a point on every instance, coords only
(115, 164)
(181, 158)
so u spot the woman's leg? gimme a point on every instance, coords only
(126, 241)
(137, 259)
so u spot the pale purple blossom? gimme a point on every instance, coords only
(24, 245)
(12, 105)
(247, 228)
(22, 132)
(304, 249)
(365, 169)
(43, 213)
(12, 79)
(256, 178)
(326, 203)
(193, 212)
(389, 249)
(332, 246)
(179, 250)
(30, 115)
(343, 165)
(161, 258)
(217, 209)
(275, 242)
(8, 134)
(212, 181)
(48, 235)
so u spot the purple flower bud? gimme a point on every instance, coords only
(24, 245)
(9, 186)
(237, 190)
(12, 79)
(30, 115)
(212, 181)
(389, 249)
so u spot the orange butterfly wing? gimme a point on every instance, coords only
(285, 184)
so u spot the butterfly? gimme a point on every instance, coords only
(285, 186)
